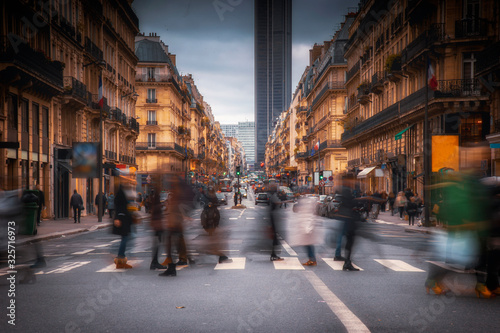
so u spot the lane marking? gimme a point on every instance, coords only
(337, 265)
(287, 247)
(112, 267)
(233, 218)
(83, 252)
(116, 240)
(398, 265)
(103, 245)
(250, 218)
(67, 267)
(348, 319)
(290, 263)
(238, 263)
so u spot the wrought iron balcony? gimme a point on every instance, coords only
(93, 50)
(75, 88)
(364, 93)
(471, 27)
(352, 72)
(377, 85)
(458, 88)
(151, 122)
(151, 100)
(422, 42)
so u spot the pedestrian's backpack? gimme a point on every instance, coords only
(210, 218)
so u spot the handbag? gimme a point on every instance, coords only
(82, 207)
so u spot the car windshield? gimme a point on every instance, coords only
(220, 195)
(262, 196)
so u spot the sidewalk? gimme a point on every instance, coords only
(62, 227)
(386, 218)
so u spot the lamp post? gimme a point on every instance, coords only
(319, 185)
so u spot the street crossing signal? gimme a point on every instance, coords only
(288, 174)
(321, 175)
(261, 164)
(238, 170)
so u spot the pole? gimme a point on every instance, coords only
(100, 209)
(427, 152)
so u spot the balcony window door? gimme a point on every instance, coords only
(468, 72)
(150, 73)
(151, 140)
(152, 95)
(152, 117)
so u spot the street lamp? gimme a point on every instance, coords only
(319, 186)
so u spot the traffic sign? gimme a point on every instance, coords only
(330, 178)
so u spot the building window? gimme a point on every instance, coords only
(151, 140)
(25, 118)
(151, 96)
(45, 122)
(150, 73)
(36, 120)
(12, 117)
(151, 118)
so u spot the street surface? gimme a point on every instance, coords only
(81, 291)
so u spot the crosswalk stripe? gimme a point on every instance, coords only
(398, 265)
(290, 263)
(337, 265)
(112, 267)
(103, 245)
(287, 247)
(233, 218)
(238, 263)
(250, 218)
(67, 267)
(116, 240)
(83, 252)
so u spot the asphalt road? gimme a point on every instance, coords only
(81, 291)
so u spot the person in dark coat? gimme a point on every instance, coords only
(122, 225)
(76, 202)
(411, 209)
(41, 204)
(104, 202)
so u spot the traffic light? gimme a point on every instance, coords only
(288, 174)
(261, 164)
(238, 170)
(321, 175)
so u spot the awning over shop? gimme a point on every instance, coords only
(400, 134)
(365, 172)
(291, 168)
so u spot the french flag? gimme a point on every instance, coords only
(100, 98)
(432, 83)
(316, 146)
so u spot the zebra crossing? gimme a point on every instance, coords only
(238, 263)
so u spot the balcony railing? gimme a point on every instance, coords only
(458, 88)
(151, 122)
(151, 100)
(328, 86)
(422, 42)
(352, 72)
(31, 61)
(75, 88)
(159, 146)
(93, 50)
(471, 27)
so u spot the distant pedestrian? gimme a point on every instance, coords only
(41, 204)
(76, 202)
(122, 225)
(391, 199)
(111, 205)
(411, 209)
(401, 203)
(98, 202)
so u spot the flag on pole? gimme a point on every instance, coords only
(432, 82)
(316, 146)
(101, 97)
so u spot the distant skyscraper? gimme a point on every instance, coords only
(273, 67)
(229, 130)
(246, 135)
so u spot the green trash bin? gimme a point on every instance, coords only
(30, 207)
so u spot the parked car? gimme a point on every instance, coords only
(263, 198)
(221, 198)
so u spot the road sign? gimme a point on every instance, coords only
(330, 178)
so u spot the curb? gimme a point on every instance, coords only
(59, 234)
(419, 231)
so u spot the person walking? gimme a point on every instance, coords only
(76, 202)
(411, 209)
(98, 201)
(391, 199)
(41, 204)
(122, 226)
(111, 205)
(157, 224)
(401, 203)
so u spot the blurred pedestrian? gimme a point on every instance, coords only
(76, 202)
(122, 225)
(411, 209)
(41, 204)
(111, 205)
(401, 204)
(98, 203)
(383, 196)
(391, 199)
(157, 224)
(273, 218)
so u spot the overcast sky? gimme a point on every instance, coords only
(213, 41)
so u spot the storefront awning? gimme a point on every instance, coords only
(400, 134)
(365, 172)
